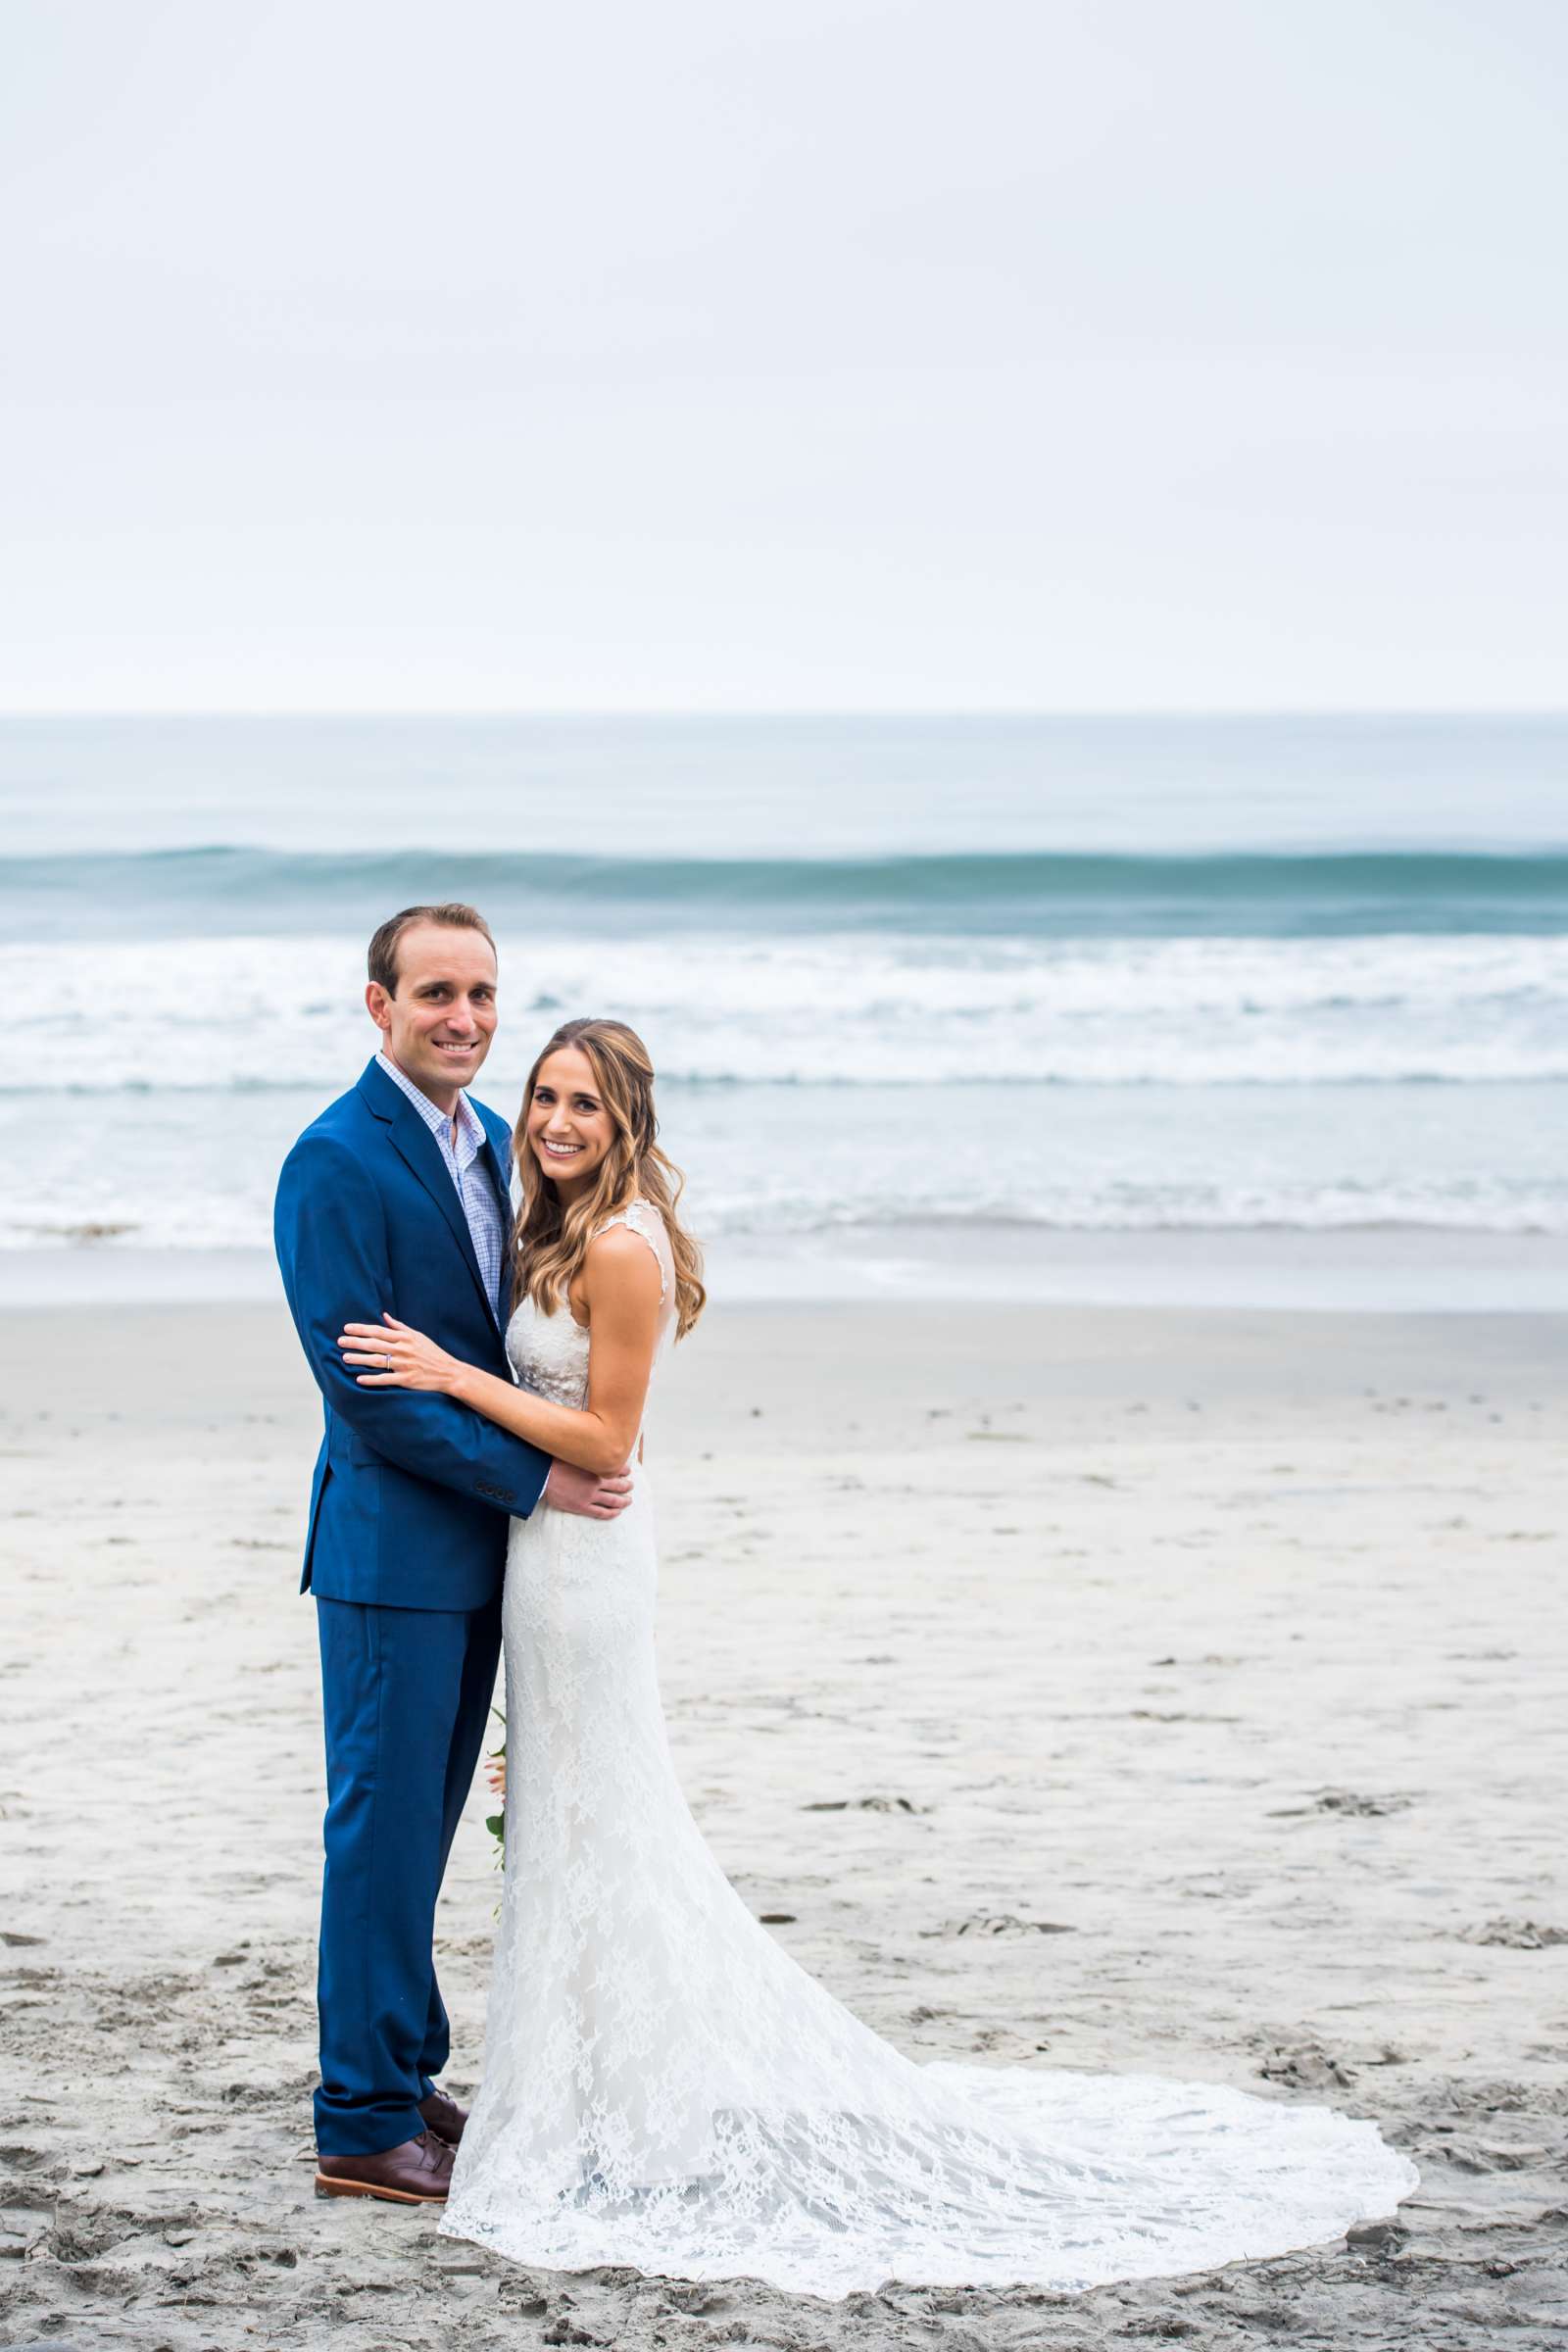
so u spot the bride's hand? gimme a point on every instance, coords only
(399, 1356)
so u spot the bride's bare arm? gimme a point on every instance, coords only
(620, 1288)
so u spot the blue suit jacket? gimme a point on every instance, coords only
(413, 1492)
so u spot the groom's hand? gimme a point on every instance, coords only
(586, 1494)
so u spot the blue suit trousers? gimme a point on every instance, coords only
(405, 1698)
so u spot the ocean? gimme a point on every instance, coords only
(1174, 1007)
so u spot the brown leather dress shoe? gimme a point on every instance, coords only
(419, 2173)
(444, 2116)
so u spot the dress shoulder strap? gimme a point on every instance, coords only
(641, 1217)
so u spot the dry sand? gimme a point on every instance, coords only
(1113, 1688)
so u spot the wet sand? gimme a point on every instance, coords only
(1175, 1691)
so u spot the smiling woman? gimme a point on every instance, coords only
(568, 1127)
(586, 1147)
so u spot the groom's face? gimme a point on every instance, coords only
(438, 1022)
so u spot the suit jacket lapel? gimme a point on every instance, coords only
(419, 1147)
(495, 1155)
(412, 1139)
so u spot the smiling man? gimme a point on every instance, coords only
(395, 1200)
(432, 994)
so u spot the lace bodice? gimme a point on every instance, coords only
(549, 1351)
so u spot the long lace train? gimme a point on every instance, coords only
(666, 2088)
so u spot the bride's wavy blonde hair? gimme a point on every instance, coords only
(550, 1239)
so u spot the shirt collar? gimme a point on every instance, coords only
(469, 1124)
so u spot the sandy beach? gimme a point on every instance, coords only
(1129, 1688)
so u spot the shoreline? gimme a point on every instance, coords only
(752, 1358)
(1346, 1269)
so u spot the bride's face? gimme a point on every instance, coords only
(569, 1130)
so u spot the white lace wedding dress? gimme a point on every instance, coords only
(665, 2088)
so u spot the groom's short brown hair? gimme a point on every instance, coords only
(383, 959)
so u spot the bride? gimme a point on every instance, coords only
(664, 2086)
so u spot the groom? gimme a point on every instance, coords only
(396, 1200)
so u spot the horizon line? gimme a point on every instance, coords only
(971, 714)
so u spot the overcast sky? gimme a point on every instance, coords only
(780, 354)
